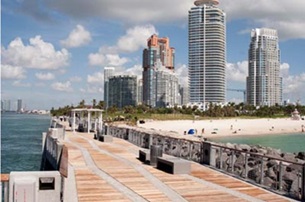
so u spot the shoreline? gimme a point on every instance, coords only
(215, 128)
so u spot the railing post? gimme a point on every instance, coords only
(232, 161)
(220, 158)
(262, 170)
(303, 184)
(6, 191)
(280, 175)
(246, 165)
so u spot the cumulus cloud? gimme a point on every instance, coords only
(97, 77)
(45, 76)
(182, 73)
(237, 71)
(294, 84)
(62, 86)
(285, 70)
(37, 55)
(92, 90)
(101, 59)
(78, 37)
(134, 39)
(12, 72)
(285, 16)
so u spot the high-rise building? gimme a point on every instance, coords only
(19, 105)
(264, 84)
(108, 72)
(207, 53)
(167, 87)
(122, 91)
(140, 90)
(158, 49)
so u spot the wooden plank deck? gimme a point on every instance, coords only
(112, 172)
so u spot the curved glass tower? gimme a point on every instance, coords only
(207, 53)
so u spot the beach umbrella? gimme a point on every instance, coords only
(191, 132)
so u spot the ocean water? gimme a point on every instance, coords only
(292, 143)
(21, 141)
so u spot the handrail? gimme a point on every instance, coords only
(259, 155)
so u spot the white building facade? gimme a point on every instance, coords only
(207, 53)
(264, 84)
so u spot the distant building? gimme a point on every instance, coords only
(6, 105)
(183, 91)
(158, 49)
(108, 72)
(207, 53)
(140, 92)
(264, 84)
(122, 91)
(19, 105)
(167, 87)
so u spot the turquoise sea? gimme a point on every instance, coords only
(21, 141)
(293, 143)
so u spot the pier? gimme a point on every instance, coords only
(112, 171)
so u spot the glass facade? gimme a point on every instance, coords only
(122, 91)
(207, 53)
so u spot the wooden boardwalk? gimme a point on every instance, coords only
(112, 172)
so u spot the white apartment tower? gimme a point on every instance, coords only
(264, 84)
(108, 72)
(207, 53)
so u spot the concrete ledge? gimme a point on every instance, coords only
(144, 155)
(173, 165)
(105, 138)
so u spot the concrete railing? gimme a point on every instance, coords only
(279, 175)
(52, 147)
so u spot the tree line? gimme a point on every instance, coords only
(229, 110)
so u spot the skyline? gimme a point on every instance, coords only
(53, 54)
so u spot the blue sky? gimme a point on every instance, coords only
(53, 52)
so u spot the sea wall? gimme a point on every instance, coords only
(267, 167)
(52, 147)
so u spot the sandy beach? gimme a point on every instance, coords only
(229, 127)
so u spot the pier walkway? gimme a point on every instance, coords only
(112, 172)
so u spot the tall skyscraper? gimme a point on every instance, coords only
(108, 72)
(207, 53)
(264, 84)
(158, 49)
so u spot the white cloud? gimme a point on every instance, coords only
(37, 55)
(285, 70)
(20, 84)
(78, 37)
(46, 76)
(12, 72)
(237, 72)
(182, 72)
(76, 79)
(294, 84)
(285, 16)
(92, 90)
(65, 87)
(135, 38)
(101, 59)
(97, 78)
